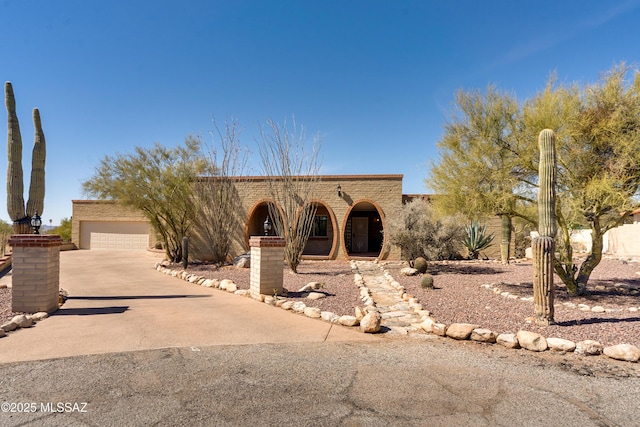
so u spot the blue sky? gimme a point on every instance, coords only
(375, 78)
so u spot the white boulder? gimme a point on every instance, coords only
(347, 320)
(588, 348)
(312, 312)
(560, 344)
(508, 340)
(460, 331)
(626, 352)
(371, 322)
(532, 341)
(483, 335)
(408, 271)
(22, 321)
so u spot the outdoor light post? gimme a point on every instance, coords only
(267, 226)
(36, 269)
(36, 222)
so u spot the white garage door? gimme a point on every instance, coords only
(124, 236)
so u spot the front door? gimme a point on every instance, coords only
(360, 228)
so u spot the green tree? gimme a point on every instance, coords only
(477, 174)
(598, 153)
(5, 232)
(158, 181)
(64, 230)
(598, 162)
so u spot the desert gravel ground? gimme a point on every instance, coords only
(459, 297)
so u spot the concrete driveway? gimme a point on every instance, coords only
(119, 302)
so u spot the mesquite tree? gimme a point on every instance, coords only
(543, 246)
(15, 188)
(158, 181)
(489, 160)
(477, 170)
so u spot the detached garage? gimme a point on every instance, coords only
(106, 225)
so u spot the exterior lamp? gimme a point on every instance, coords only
(267, 226)
(36, 222)
(339, 190)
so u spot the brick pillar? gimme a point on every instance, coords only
(36, 272)
(267, 256)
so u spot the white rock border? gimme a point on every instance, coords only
(494, 287)
(284, 303)
(22, 321)
(522, 339)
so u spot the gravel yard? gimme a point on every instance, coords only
(459, 296)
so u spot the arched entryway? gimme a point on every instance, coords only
(363, 230)
(256, 220)
(322, 242)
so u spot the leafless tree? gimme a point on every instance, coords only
(292, 174)
(219, 219)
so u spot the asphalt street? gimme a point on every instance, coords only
(134, 347)
(386, 383)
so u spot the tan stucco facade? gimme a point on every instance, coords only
(365, 201)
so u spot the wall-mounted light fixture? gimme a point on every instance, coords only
(339, 190)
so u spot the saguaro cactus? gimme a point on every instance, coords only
(15, 188)
(38, 157)
(543, 246)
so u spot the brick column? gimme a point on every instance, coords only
(267, 256)
(36, 272)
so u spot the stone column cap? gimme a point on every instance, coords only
(35, 240)
(267, 241)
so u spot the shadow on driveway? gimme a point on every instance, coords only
(90, 311)
(123, 297)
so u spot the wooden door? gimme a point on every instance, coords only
(360, 228)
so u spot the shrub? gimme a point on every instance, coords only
(476, 239)
(64, 230)
(419, 233)
(420, 264)
(427, 281)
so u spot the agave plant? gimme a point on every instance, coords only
(476, 239)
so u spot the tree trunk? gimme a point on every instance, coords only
(543, 289)
(505, 244)
(593, 259)
(185, 252)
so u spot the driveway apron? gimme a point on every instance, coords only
(119, 302)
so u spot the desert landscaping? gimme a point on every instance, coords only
(486, 293)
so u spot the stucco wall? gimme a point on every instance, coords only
(623, 240)
(384, 192)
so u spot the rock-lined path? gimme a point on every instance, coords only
(400, 313)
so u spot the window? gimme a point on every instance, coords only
(319, 228)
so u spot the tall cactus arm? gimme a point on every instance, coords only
(36, 187)
(15, 188)
(547, 190)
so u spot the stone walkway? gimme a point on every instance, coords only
(400, 313)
